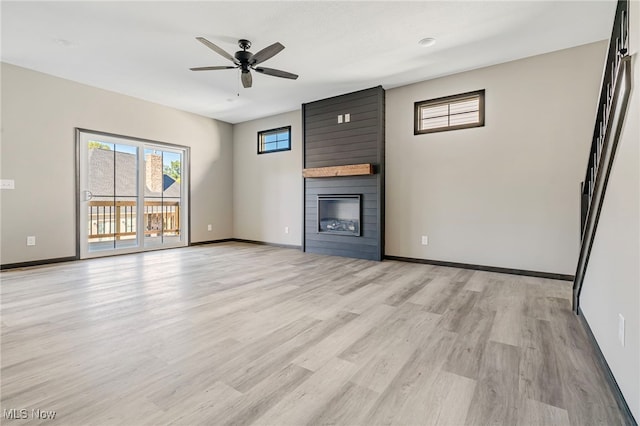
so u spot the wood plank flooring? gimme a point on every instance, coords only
(239, 334)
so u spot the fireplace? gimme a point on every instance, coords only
(339, 214)
(343, 169)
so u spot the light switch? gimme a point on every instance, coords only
(8, 184)
(340, 119)
(347, 118)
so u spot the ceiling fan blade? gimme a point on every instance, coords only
(276, 73)
(246, 79)
(212, 68)
(216, 49)
(266, 53)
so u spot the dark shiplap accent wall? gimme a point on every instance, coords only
(327, 143)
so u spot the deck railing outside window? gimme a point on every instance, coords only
(109, 220)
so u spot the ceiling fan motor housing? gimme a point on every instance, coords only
(244, 58)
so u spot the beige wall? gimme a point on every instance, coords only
(612, 281)
(506, 194)
(39, 114)
(267, 188)
(502, 195)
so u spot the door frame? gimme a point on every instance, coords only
(78, 198)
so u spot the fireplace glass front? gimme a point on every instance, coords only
(339, 214)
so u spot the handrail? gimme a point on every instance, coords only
(612, 107)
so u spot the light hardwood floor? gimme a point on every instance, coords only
(243, 334)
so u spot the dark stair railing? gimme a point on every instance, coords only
(612, 107)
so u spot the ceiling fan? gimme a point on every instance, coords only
(247, 61)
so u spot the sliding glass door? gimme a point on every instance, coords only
(133, 194)
(162, 197)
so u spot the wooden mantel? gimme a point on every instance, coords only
(348, 170)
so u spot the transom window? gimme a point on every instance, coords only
(274, 140)
(449, 113)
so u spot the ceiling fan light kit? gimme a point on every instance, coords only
(247, 61)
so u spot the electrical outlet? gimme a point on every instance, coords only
(340, 119)
(286, 229)
(347, 118)
(425, 240)
(209, 227)
(31, 240)
(621, 329)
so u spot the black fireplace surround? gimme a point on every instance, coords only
(344, 214)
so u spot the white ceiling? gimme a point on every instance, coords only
(145, 49)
